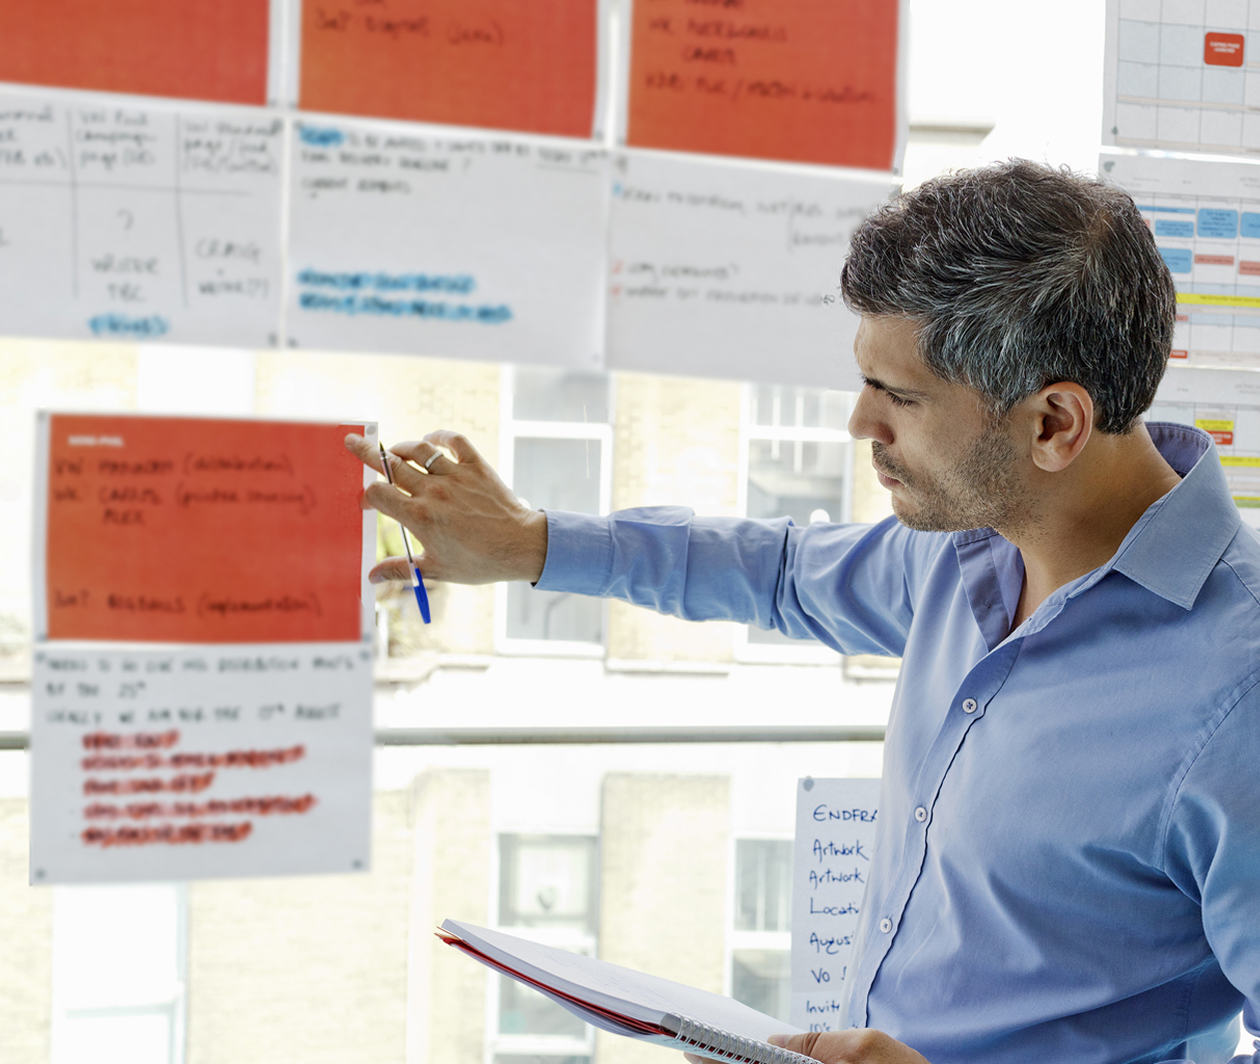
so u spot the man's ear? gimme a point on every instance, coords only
(1062, 421)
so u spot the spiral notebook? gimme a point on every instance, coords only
(624, 1001)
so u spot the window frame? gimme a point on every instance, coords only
(174, 1007)
(512, 429)
(799, 652)
(739, 940)
(497, 1043)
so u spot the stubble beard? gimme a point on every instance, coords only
(983, 490)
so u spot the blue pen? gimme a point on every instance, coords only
(417, 584)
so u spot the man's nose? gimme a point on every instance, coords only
(864, 422)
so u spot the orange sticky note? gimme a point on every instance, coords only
(1223, 49)
(202, 530)
(500, 64)
(205, 51)
(811, 81)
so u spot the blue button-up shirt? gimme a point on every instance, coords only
(1068, 860)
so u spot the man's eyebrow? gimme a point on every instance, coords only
(880, 386)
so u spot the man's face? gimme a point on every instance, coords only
(947, 462)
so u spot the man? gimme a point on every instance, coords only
(1068, 863)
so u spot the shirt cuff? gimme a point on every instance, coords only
(579, 553)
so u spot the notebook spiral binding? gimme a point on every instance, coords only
(714, 1042)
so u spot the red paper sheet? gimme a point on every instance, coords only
(205, 51)
(198, 530)
(811, 81)
(501, 64)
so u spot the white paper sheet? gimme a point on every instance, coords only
(476, 246)
(1181, 76)
(732, 270)
(1206, 219)
(126, 222)
(835, 840)
(1226, 404)
(190, 762)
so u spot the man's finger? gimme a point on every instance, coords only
(405, 475)
(389, 569)
(457, 443)
(388, 500)
(797, 1043)
(364, 450)
(422, 453)
(857, 1045)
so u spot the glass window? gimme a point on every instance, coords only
(118, 971)
(546, 394)
(777, 406)
(805, 480)
(562, 475)
(761, 979)
(547, 881)
(114, 1038)
(763, 884)
(524, 1011)
(538, 1058)
(760, 944)
(799, 458)
(547, 885)
(560, 442)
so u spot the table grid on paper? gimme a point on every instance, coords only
(1185, 76)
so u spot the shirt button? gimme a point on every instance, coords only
(920, 814)
(885, 925)
(970, 705)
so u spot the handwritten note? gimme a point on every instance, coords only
(129, 223)
(719, 270)
(499, 64)
(200, 530)
(201, 51)
(800, 80)
(193, 762)
(485, 247)
(835, 838)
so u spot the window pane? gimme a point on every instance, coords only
(760, 979)
(784, 406)
(125, 1039)
(547, 881)
(116, 945)
(537, 1058)
(545, 394)
(562, 475)
(805, 480)
(763, 884)
(801, 480)
(523, 1010)
(533, 614)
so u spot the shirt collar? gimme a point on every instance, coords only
(1179, 539)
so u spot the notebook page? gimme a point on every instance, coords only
(609, 986)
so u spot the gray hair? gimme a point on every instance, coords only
(1017, 276)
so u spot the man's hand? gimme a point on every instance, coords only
(858, 1045)
(472, 528)
(861, 1045)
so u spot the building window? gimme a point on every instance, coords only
(547, 892)
(760, 940)
(557, 454)
(119, 961)
(797, 463)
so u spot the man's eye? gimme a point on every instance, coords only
(898, 400)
